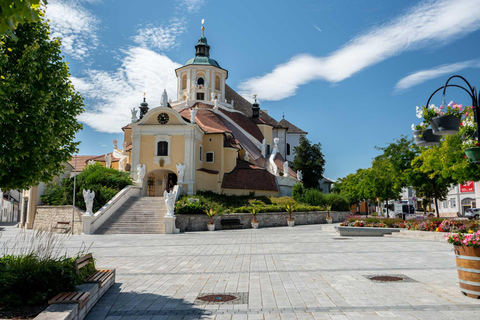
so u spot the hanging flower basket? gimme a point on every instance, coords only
(473, 154)
(445, 125)
(426, 139)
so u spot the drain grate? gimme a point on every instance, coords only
(342, 238)
(222, 298)
(389, 278)
(217, 298)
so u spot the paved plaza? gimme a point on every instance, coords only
(305, 272)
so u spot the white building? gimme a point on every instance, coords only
(460, 198)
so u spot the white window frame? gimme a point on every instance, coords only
(166, 159)
(213, 157)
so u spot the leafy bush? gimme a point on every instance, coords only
(183, 207)
(282, 201)
(298, 192)
(314, 197)
(106, 182)
(337, 201)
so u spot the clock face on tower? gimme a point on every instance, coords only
(163, 118)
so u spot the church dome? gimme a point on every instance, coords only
(203, 61)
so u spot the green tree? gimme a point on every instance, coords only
(38, 110)
(309, 159)
(16, 12)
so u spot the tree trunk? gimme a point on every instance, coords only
(436, 197)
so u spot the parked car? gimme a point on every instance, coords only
(473, 213)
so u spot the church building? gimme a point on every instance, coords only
(210, 138)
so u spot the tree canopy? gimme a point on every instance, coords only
(16, 12)
(309, 159)
(38, 110)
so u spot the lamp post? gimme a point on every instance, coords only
(471, 91)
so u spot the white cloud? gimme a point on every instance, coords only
(115, 93)
(163, 38)
(75, 25)
(430, 22)
(428, 74)
(191, 6)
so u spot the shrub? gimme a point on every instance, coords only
(314, 197)
(190, 208)
(337, 201)
(298, 192)
(282, 201)
(106, 182)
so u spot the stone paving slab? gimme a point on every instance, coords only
(288, 273)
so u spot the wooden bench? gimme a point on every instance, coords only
(231, 223)
(62, 226)
(99, 276)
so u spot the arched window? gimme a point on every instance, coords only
(288, 149)
(200, 81)
(217, 83)
(184, 82)
(162, 148)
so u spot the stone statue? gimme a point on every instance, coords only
(141, 168)
(193, 114)
(164, 100)
(115, 144)
(275, 142)
(285, 169)
(88, 196)
(90, 162)
(246, 155)
(212, 96)
(121, 163)
(273, 166)
(263, 148)
(299, 175)
(134, 115)
(169, 198)
(124, 146)
(216, 104)
(108, 160)
(180, 171)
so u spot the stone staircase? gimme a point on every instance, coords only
(138, 215)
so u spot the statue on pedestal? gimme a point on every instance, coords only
(115, 144)
(193, 114)
(88, 196)
(275, 142)
(108, 160)
(164, 100)
(169, 198)
(134, 115)
(141, 168)
(285, 169)
(180, 171)
(299, 175)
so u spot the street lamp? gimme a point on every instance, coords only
(443, 125)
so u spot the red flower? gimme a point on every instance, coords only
(461, 124)
(477, 144)
(464, 156)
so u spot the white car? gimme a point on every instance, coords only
(473, 213)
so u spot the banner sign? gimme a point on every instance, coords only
(469, 186)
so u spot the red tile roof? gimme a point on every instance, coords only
(206, 119)
(249, 176)
(81, 162)
(291, 127)
(245, 123)
(101, 158)
(279, 161)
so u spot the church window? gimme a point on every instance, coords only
(162, 148)
(209, 157)
(184, 82)
(288, 149)
(217, 83)
(201, 154)
(200, 96)
(268, 149)
(200, 81)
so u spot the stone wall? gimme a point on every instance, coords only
(198, 222)
(48, 216)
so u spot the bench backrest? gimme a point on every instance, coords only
(83, 261)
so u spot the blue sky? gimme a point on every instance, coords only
(349, 72)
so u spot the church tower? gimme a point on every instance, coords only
(201, 78)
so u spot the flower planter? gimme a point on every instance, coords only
(473, 154)
(329, 220)
(468, 267)
(426, 139)
(291, 223)
(211, 227)
(444, 125)
(255, 225)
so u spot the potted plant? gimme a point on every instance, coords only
(329, 218)
(290, 220)
(211, 213)
(467, 252)
(424, 137)
(254, 211)
(468, 131)
(447, 120)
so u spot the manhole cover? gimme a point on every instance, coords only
(386, 278)
(217, 298)
(222, 298)
(389, 278)
(342, 239)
